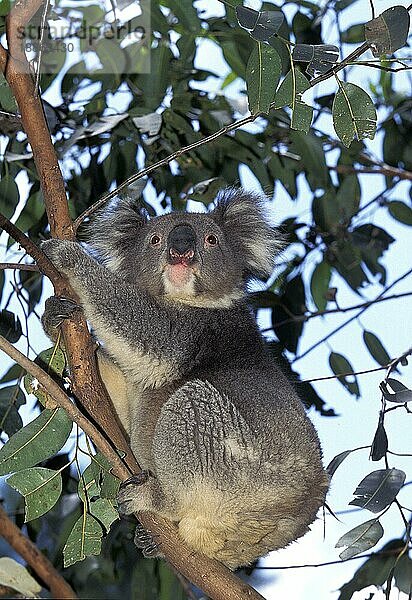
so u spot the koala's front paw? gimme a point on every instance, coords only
(63, 254)
(56, 311)
(135, 493)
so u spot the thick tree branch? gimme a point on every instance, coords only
(33, 557)
(81, 351)
(212, 577)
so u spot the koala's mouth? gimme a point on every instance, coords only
(179, 278)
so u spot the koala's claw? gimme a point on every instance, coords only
(145, 542)
(138, 479)
(130, 493)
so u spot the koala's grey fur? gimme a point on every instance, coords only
(232, 456)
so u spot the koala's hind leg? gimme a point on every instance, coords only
(205, 460)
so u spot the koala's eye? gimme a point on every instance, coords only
(155, 239)
(211, 240)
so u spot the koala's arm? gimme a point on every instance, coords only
(126, 319)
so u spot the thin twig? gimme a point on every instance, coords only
(376, 170)
(322, 313)
(330, 334)
(331, 562)
(352, 373)
(19, 267)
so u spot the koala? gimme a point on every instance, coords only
(227, 449)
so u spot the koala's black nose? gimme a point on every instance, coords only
(181, 243)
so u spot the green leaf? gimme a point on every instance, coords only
(336, 462)
(36, 442)
(400, 211)
(262, 76)
(4, 7)
(170, 586)
(376, 349)
(12, 374)
(355, 34)
(348, 197)
(40, 487)
(7, 99)
(379, 489)
(54, 361)
(326, 212)
(11, 397)
(319, 284)
(32, 212)
(354, 115)
(111, 56)
(310, 148)
(388, 32)
(85, 539)
(104, 511)
(360, 538)
(290, 94)
(13, 575)
(10, 326)
(374, 571)
(9, 196)
(340, 365)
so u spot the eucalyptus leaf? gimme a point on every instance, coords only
(319, 284)
(400, 211)
(40, 487)
(9, 196)
(104, 511)
(380, 441)
(10, 326)
(378, 489)
(360, 538)
(389, 31)
(336, 462)
(354, 115)
(11, 398)
(343, 368)
(38, 440)
(85, 539)
(290, 94)
(262, 76)
(321, 57)
(376, 349)
(13, 575)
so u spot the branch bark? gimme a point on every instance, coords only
(33, 557)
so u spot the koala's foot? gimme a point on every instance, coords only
(146, 542)
(56, 311)
(140, 492)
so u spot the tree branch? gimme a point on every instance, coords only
(331, 333)
(87, 385)
(33, 557)
(380, 170)
(19, 267)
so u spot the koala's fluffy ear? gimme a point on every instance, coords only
(112, 231)
(241, 216)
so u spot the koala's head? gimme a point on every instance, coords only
(201, 259)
